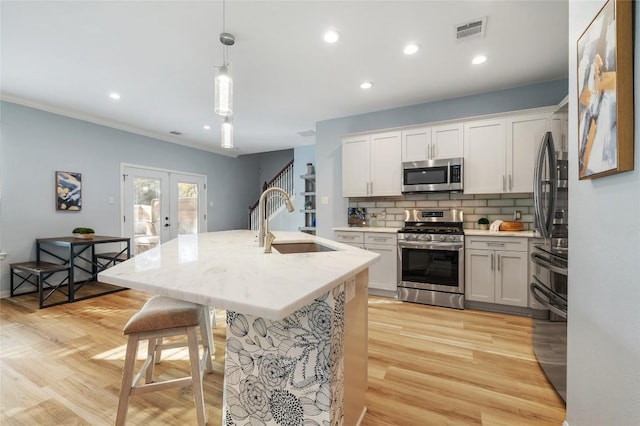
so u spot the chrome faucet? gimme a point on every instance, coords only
(263, 228)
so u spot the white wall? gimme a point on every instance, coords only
(34, 144)
(604, 273)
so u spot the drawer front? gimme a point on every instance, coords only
(496, 243)
(350, 237)
(380, 238)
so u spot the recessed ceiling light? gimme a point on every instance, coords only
(206, 127)
(480, 59)
(114, 96)
(331, 36)
(410, 49)
(366, 85)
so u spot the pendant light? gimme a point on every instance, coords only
(226, 130)
(223, 105)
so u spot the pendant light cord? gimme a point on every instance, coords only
(224, 46)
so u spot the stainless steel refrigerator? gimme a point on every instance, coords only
(550, 256)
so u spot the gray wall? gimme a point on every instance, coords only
(604, 271)
(330, 132)
(270, 163)
(34, 144)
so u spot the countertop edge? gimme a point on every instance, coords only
(366, 229)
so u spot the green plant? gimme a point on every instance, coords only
(483, 221)
(83, 231)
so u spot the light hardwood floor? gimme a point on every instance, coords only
(427, 366)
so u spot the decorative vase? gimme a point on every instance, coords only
(484, 227)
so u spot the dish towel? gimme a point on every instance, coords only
(495, 226)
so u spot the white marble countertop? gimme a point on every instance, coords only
(228, 270)
(523, 234)
(366, 229)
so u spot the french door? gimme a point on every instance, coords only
(158, 205)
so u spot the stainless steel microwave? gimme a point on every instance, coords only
(433, 175)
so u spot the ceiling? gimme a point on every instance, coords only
(68, 56)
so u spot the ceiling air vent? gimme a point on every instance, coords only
(471, 29)
(175, 133)
(307, 133)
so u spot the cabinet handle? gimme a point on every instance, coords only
(498, 263)
(510, 183)
(492, 261)
(495, 244)
(504, 183)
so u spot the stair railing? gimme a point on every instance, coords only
(283, 180)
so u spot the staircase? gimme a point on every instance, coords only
(274, 203)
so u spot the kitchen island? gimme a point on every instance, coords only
(296, 323)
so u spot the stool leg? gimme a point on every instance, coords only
(41, 301)
(152, 352)
(158, 355)
(196, 376)
(127, 378)
(207, 338)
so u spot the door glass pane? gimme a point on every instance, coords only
(146, 213)
(187, 208)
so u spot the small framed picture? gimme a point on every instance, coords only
(68, 191)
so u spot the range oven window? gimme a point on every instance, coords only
(430, 266)
(425, 176)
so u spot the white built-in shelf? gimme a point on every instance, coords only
(308, 193)
(308, 177)
(307, 228)
(308, 210)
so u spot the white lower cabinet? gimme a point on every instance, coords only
(383, 275)
(496, 270)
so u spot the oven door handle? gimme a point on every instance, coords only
(437, 246)
(541, 288)
(546, 263)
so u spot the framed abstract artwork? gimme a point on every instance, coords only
(605, 92)
(68, 191)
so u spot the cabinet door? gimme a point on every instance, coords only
(356, 155)
(511, 278)
(559, 129)
(383, 274)
(484, 153)
(416, 144)
(479, 275)
(524, 135)
(447, 141)
(386, 164)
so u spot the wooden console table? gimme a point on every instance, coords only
(83, 250)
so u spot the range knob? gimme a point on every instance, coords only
(427, 237)
(443, 237)
(452, 237)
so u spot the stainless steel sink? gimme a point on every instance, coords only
(288, 248)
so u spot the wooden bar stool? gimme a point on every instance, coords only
(163, 317)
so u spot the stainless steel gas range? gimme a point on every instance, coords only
(431, 258)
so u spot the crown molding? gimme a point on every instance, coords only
(116, 125)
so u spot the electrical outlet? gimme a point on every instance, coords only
(517, 215)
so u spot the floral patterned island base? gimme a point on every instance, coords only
(288, 372)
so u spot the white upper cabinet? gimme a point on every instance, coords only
(500, 154)
(416, 144)
(447, 141)
(356, 165)
(524, 136)
(559, 130)
(484, 154)
(372, 165)
(432, 143)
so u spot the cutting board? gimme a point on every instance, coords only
(511, 226)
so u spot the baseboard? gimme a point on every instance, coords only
(382, 293)
(506, 309)
(5, 293)
(565, 423)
